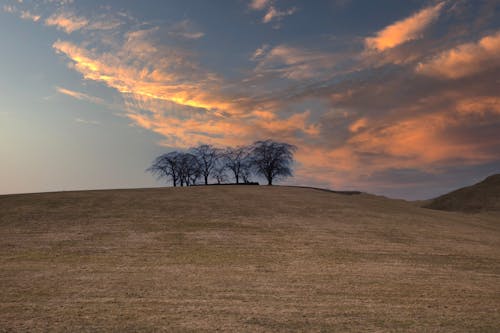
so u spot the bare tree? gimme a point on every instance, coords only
(189, 169)
(165, 166)
(272, 159)
(220, 173)
(207, 156)
(235, 160)
(246, 170)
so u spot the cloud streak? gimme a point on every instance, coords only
(405, 30)
(80, 96)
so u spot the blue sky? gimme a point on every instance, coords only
(392, 97)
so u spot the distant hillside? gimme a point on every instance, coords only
(483, 196)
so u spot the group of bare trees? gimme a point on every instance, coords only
(268, 159)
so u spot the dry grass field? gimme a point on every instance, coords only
(483, 196)
(244, 258)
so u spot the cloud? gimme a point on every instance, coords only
(80, 96)
(358, 125)
(408, 29)
(259, 4)
(479, 105)
(67, 21)
(292, 62)
(352, 119)
(464, 60)
(87, 122)
(425, 130)
(260, 52)
(24, 14)
(185, 29)
(9, 9)
(274, 14)
(167, 92)
(139, 66)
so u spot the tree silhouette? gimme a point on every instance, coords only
(220, 173)
(272, 159)
(165, 166)
(236, 160)
(207, 156)
(189, 169)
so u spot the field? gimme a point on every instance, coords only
(244, 258)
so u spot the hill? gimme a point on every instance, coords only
(483, 196)
(243, 258)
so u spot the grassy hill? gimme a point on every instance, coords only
(244, 258)
(483, 196)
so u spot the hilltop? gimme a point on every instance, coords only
(483, 196)
(243, 258)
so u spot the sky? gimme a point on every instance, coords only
(397, 98)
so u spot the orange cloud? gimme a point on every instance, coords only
(483, 106)
(188, 128)
(420, 142)
(464, 60)
(140, 80)
(166, 92)
(408, 29)
(259, 4)
(358, 125)
(66, 21)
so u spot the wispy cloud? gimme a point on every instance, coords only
(259, 4)
(292, 62)
(185, 29)
(80, 96)
(87, 122)
(408, 29)
(260, 52)
(24, 14)
(272, 12)
(351, 115)
(170, 94)
(67, 21)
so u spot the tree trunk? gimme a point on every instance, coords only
(206, 180)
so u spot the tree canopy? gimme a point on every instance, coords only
(268, 159)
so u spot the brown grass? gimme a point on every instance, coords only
(244, 258)
(481, 197)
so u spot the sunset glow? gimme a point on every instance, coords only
(367, 92)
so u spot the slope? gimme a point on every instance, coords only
(483, 196)
(243, 258)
